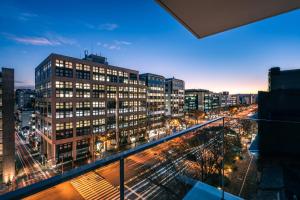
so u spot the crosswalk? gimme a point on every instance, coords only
(91, 186)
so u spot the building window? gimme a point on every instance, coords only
(64, 89)
(82, 127)
(83, 71)
(64, 130)
(63, 68)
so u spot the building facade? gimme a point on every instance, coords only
(7, 125)
(233, 100)
(174, 97)
(86, 106)
(224, 99)
(25, 99)
(155, 103)
(194, 99)
(212, 101)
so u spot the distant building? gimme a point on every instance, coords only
(7, 125)
(233, 100)
(224, 98)
(174, 97)
(155, 102)
(194, 99)
(86, 105)
(247, 99)
(212, 101)
(25, 99)
(280, 104)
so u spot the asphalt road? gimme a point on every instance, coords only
(147, 176)
(31, 171)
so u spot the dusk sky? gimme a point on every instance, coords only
(141, 35)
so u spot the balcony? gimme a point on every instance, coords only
(214, 160)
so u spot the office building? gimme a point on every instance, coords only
(224, 96)
(233, 100)
(155, 103)
(7, 125)
(86, 106)
(212, 101)
(174, 97)
(25, 99)
(194, 99)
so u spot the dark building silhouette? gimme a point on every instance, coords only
(7, 125)
(279, 135)
(280, 103)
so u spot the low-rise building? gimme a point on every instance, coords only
(194, 99)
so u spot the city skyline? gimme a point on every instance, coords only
(140, 36)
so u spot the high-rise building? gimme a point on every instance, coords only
(194, 99)
(25, 99)
(7, 125)
(155, 103)
(174, 97)
(86, 105)
(281, 105)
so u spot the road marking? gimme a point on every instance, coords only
(246, 176)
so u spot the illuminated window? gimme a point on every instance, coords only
(69, 125)
(68, 85)
(79, 85)
(68, 65)
(79, 124)
(59, 105)
(59, 63)
(86, 86)
(59, 84)
(59, 127)
(79, 66)
(86, 68)
(99, 121)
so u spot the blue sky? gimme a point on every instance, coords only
(139, 34)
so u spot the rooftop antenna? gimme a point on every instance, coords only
(86, 53)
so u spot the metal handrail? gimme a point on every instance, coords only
(50, 182)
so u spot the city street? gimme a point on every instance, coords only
(31, 170)
(147, 174)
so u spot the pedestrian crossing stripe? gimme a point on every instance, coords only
(91, 186)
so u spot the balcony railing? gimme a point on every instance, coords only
(210, 160)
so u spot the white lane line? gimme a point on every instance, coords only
(245, 176)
